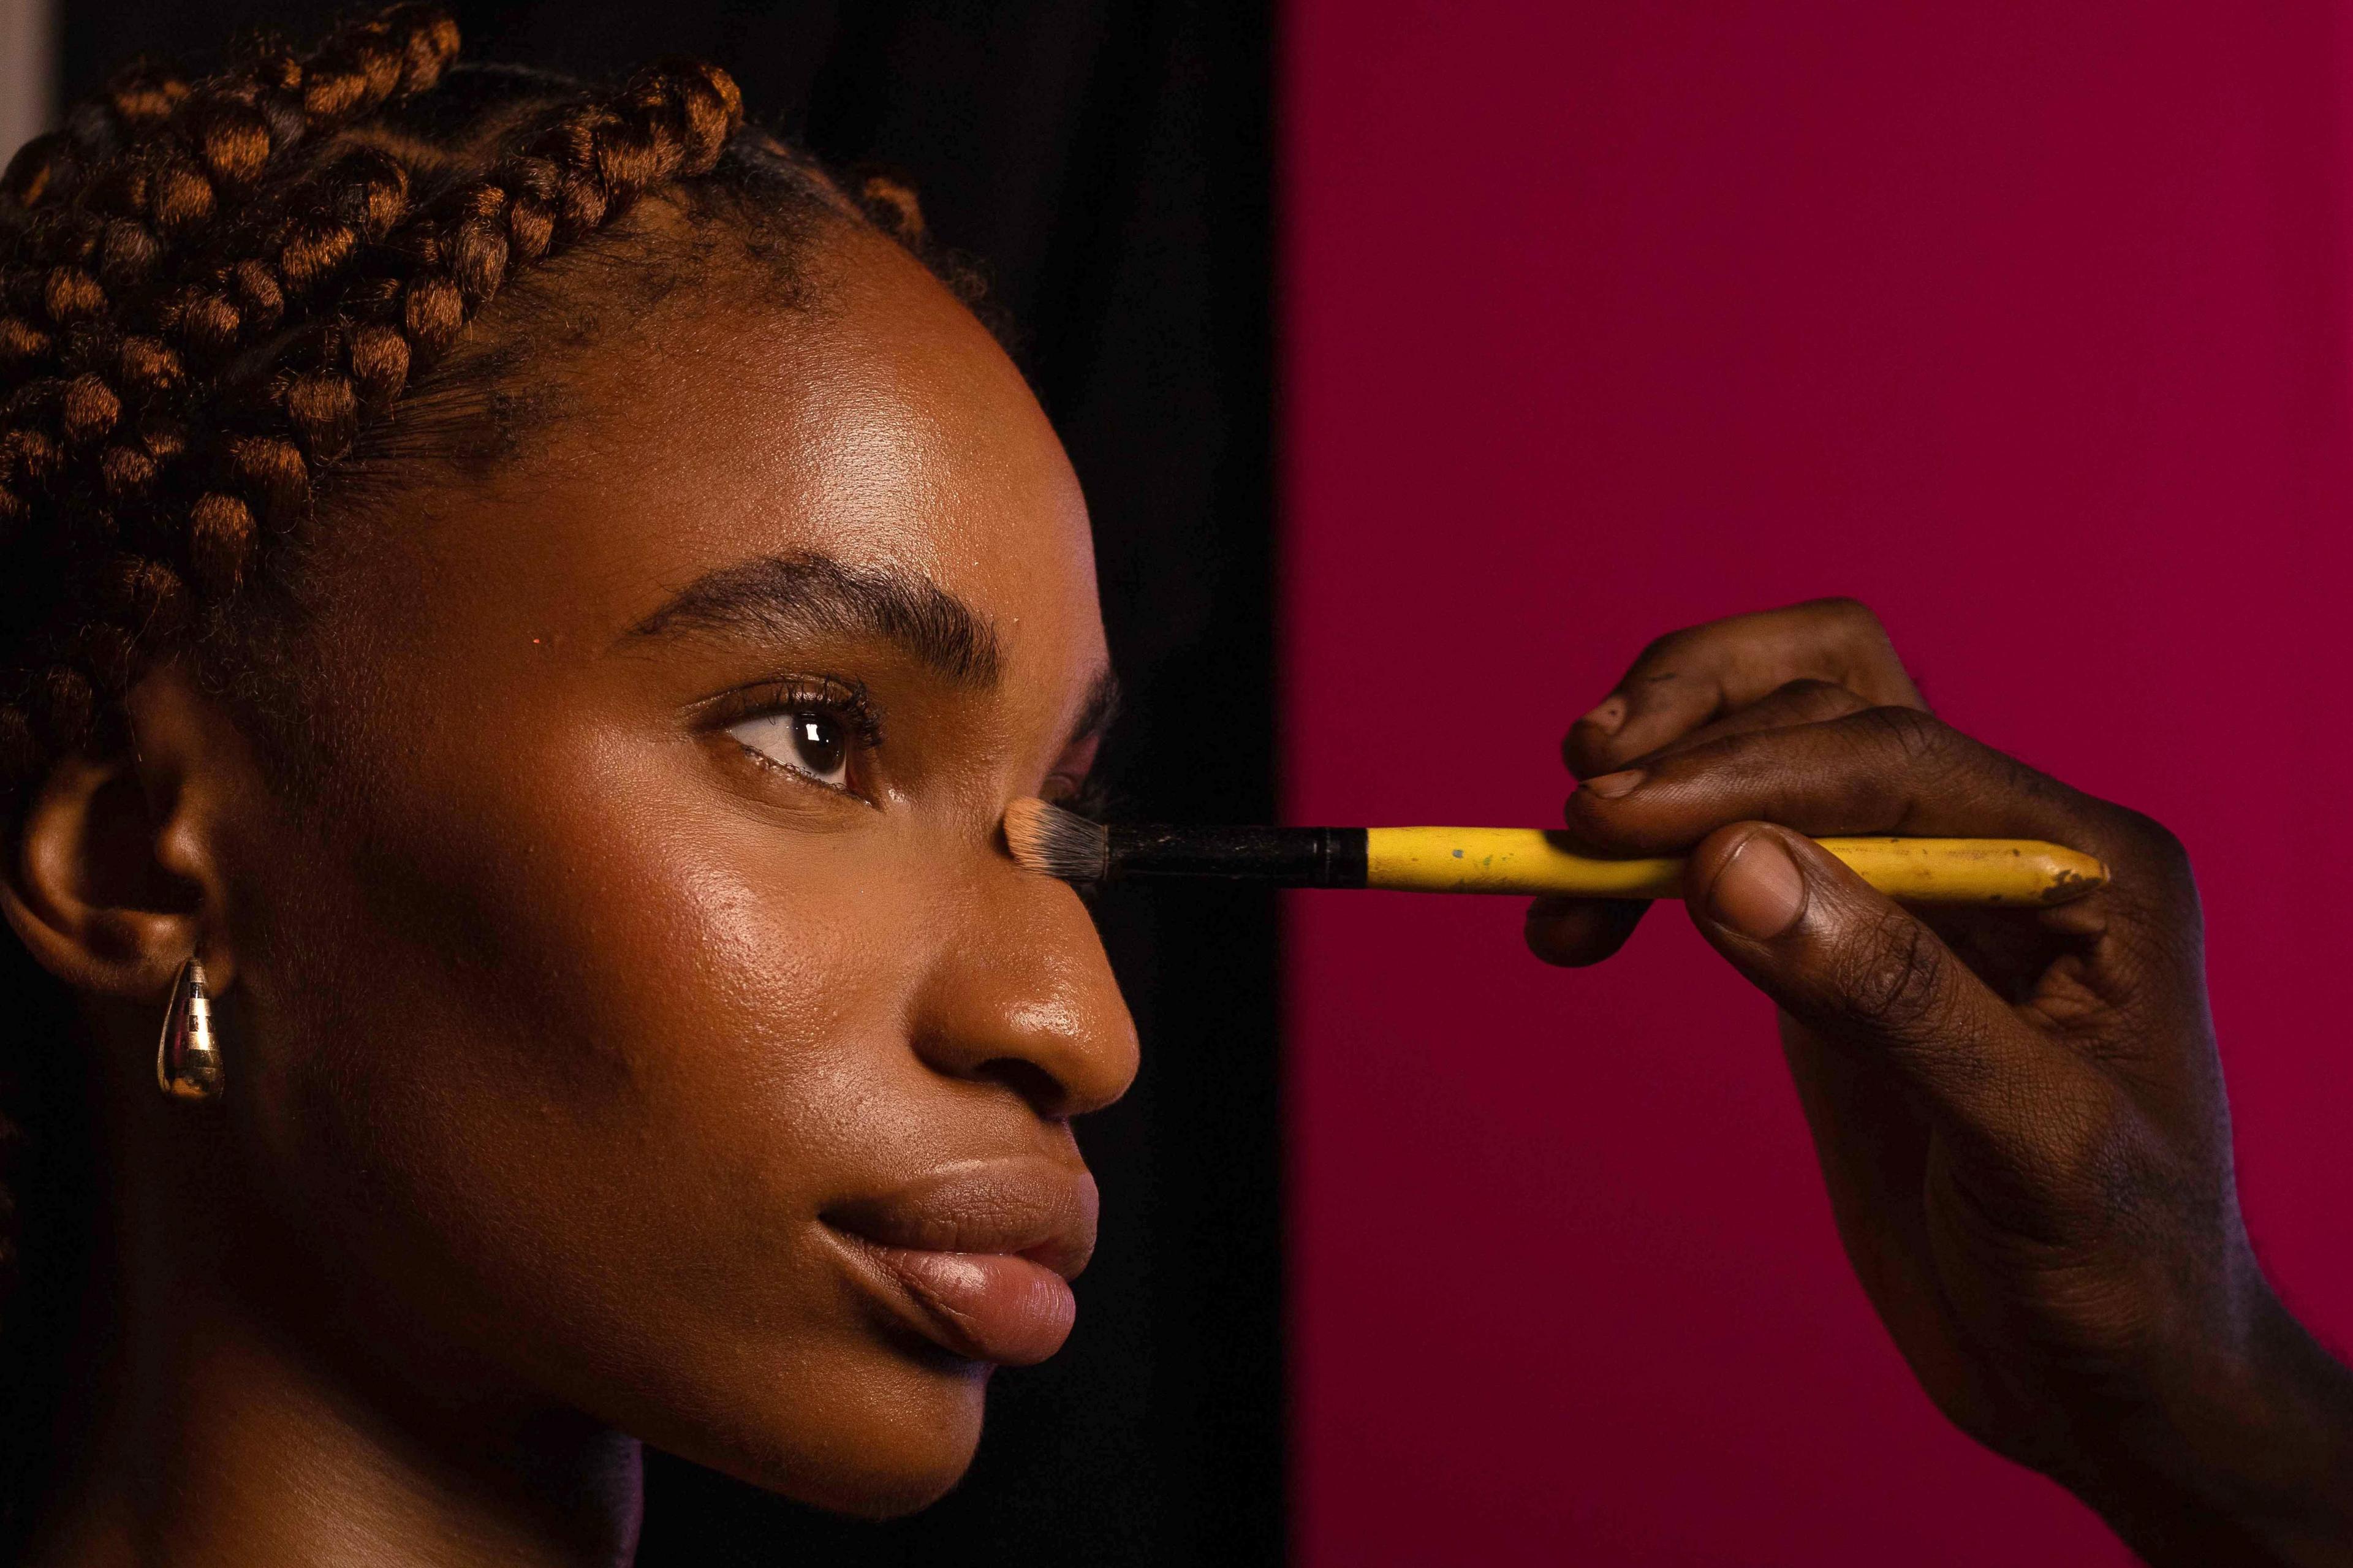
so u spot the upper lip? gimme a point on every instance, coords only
(1027, 1208)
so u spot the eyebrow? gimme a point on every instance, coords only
(783, 595)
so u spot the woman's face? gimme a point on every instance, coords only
(646, 1016)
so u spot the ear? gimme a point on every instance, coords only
(118, 876)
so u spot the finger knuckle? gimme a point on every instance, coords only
(1846, 609)
(1822, 700)
(2152, 846)
(1892, 978)
(1666, 647)
(1919, 742)
(2151, 876)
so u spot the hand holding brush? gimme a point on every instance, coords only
(2018, 1112)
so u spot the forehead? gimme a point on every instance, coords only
(871, 419)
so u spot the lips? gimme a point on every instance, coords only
(977, 1258)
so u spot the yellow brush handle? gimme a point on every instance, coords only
(1528, 861)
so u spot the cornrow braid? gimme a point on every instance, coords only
(578, 171)
(135, 103)
(94, 215)
(153, 163)
(180, 368)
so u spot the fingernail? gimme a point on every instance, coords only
(1607, 716)
(1609, 786)
(1760, 891)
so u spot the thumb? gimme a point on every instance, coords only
(1858, 971)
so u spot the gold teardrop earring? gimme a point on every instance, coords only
(187, 1059)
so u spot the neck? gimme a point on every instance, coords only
(230, 1415)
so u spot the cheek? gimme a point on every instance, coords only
(577, 1078)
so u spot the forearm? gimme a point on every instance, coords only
(2251, 1462)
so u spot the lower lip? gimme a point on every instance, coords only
(984, 1306)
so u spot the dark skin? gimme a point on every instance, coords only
(2020, 1116)
(626, 1039)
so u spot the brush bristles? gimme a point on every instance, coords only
(1056, 843)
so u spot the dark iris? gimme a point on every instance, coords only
(818, 740)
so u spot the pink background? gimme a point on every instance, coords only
(2026, 322)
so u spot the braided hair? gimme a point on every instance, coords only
(214, 298)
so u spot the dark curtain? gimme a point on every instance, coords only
(1108, 160)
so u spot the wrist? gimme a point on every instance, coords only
(2237, 1450)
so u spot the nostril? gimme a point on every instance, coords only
(1033, 1083)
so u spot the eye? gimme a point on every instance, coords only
(811, 740)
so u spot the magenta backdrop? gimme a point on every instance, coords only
(2026, 322)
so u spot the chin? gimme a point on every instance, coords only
(886, 1447)
(879, 1497)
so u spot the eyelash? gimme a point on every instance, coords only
(844, 701)
(848, 703)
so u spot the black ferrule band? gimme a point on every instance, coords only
(1289, 856)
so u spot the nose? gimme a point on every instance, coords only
(1024, 997)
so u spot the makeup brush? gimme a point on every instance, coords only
(1045, 839)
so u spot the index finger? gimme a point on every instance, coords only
(1894, 770)
(1702, 674)
(1882, 769)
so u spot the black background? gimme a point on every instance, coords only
(1109, 160)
